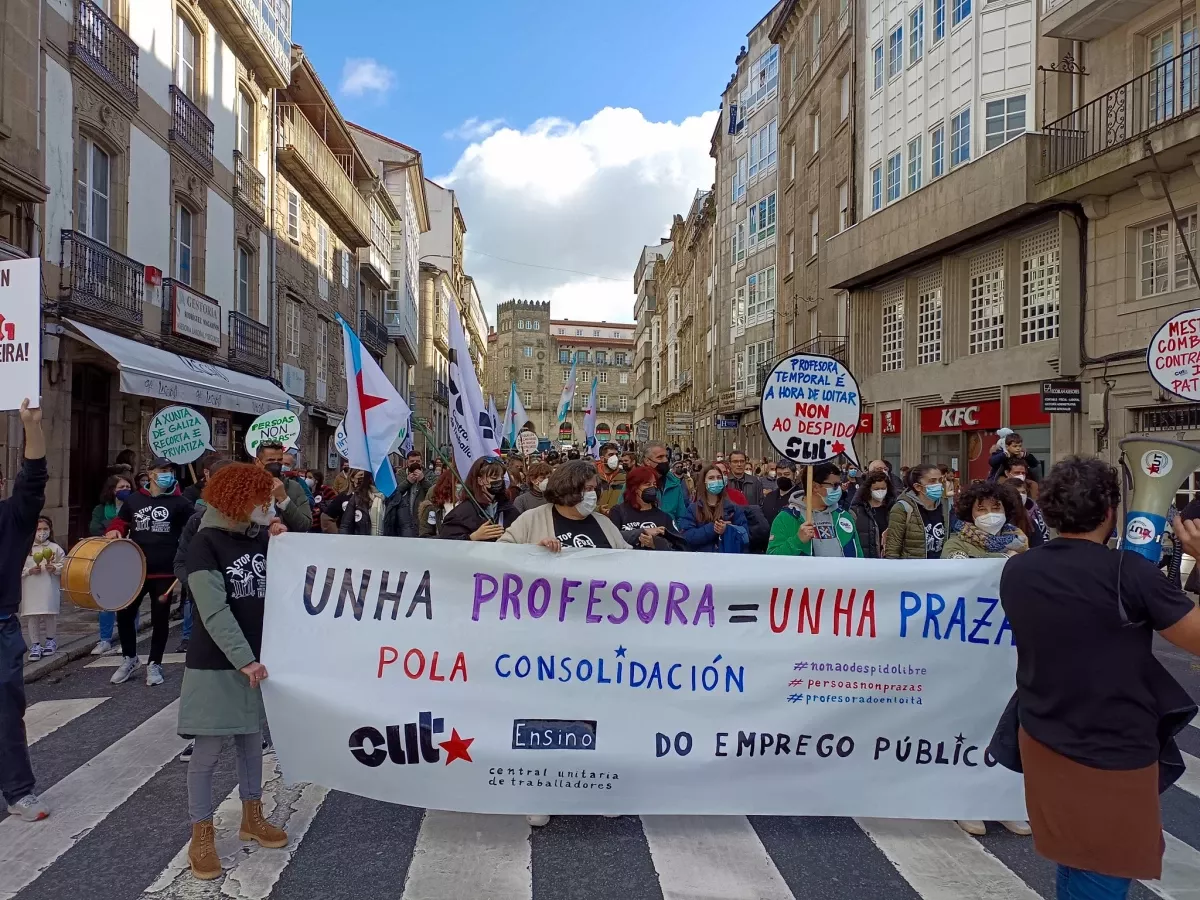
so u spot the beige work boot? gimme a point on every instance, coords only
(202, 852)
(255, 827)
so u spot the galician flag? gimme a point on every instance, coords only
(472, 434)
(494, 416)
(375, 413)
(589, 423)
(568, 393)
(515, 416)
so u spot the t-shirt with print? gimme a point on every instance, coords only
(582, 533)
(241, 559)
(155, 524)
(825, 540)
(934, 521)
(335, 507)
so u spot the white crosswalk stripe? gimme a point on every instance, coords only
(711, 856)
(1190, 779)
(462, 855)
(44, 718)
(1181, 872)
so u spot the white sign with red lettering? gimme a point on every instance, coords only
(1174, 355)
(811, 409)
(20, 332)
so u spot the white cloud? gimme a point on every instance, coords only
(584, 197)
(366, 76)
(473, 129)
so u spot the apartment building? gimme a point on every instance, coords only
(536, 352)
(158, 156)
(475, 324)
(644, 310)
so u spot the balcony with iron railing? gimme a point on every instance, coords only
(822, 345)
(1159, 98)
(372, 333)
(99, 282)
(400, 318)
(249, 344)
(262, 39)
(191, 130)
(323, 176)
(374, 262)
(249, 186)
(441, 392)
(100, 44)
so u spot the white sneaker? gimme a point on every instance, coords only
(1018, 827)
(129, 665)
(538, 821)
(30, 808)
(101, 648)
(973, 826)
(154, 675)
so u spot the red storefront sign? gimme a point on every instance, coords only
(1025, 410)
(866, 423)
(889, 421)
(983, 416)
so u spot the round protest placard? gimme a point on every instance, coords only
(339, 440)
(527, 442)
(179, 433)
(811, 409)
(1174, 355)
(280, 426)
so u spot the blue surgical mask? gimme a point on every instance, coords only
(853, 473)
(123, 494)
(715, 487)
(934, 492)
(165, 480)
(833, 496)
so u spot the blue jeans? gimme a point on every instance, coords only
(1076, 884)
(16, 771)
(187, 606)
(108, 622)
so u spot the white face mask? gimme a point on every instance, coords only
(1017, 476)
(880, 494)
(312, 483)
(43, 536)
(990, 522)
(771, 473)
(261, 516)
(587, 505)
(542, 485)
(613, 463)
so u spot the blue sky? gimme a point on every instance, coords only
(586, 125)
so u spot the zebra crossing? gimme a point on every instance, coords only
(118, 830)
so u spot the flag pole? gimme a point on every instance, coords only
(449, 464)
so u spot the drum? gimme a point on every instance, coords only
(103, 575)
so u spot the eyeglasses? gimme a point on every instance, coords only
(829, 484)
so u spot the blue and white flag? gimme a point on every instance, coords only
(375, 413)
(568, 392)
(495, 417)
(515, 416)
(589, 423)
(472, 434)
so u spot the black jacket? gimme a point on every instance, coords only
(751, 486)
(630, 522)
(356, 518)
(400, 510)
(18, 522)
(869, 535)
(464, 520)
(155, 525)
(185, 539)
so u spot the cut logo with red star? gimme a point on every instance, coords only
(839, 447)
(457, 747)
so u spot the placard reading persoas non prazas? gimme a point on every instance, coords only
(280, 426)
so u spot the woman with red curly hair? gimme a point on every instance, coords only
(227, 577)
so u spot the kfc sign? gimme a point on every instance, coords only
(866, 423)
(890, 421)
(967, 417)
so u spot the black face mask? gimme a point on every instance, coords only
(662, 468)
(496, 486)
(784, 484)
(650, 496)
(275, 469)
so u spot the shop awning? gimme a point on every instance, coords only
(151, 372)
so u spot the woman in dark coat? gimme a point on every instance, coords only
(872, 503)
(491, 512)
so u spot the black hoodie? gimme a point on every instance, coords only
(18, 522)
(155, 524)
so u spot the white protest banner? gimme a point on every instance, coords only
(339, 440)
(179, 433)
(527, 442)
(1173, 356)
(498, 678)
(20, 332)
(281, 426)
(811, 408)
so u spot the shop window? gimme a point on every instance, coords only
(986, 302)
(1039, 287)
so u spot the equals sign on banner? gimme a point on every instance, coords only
(743, 608)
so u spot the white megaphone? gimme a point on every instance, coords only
(1157, 468)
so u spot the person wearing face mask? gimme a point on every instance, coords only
(41, 590)
(672, 494)
(984, 525)
(116, 491)
(1010, 446)
(291, 469)
(918, 524)
(570, 517)
(627, 462)
(401, 508)
(643, 525)
(227, 575)
(872, 504)
(437, 503)
(612, 490)
(1016, 475)
(485, 514)
(831, 532)
(784, 481)
(290, 499)
(363, 512)
(538, 474)
(153, 519)
(714, 523)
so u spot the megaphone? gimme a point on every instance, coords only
(1157, 468)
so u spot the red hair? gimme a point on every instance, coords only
(237, 489)
(445, 489)
(639, 477)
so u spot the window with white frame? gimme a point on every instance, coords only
(623, 378)
(602, 402)
(841, 301)
(293, 216)
(877, 67)
(324, 253)
(739, 178)
(843, 194)
(737, 322)
(1039, 287)
(985, 302)
(322, 351)
(763, 82)
(814, 127)
(792, 161)
(791, 252)
(759, 297)
(1003, 121)
(929, 319)
(245, 127)
(528, 398)
(914, 165)
(844, 96)
(1162, 261)
(876, 187)
(1173, 85)
(345, 267)
(578, 332)
(814, 34)
(739, 373)
(184, 221)
(916, 34)
(961, 9)
(896, 51)
(603, 376)
(738, 243)
(245, 263)
(527, 352)
(814, 232)
(623, 403)
(937, 152)
(585, 375)
(520, 324)
(92, 191)
(185, 57)
(527, 373)
(939, 20)
(892, 330)
(893, 177)
(566, 375)
(762, 220)
(596, 332)
(960, 138)
(756, 355)
(291, 327)
(763, 148)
